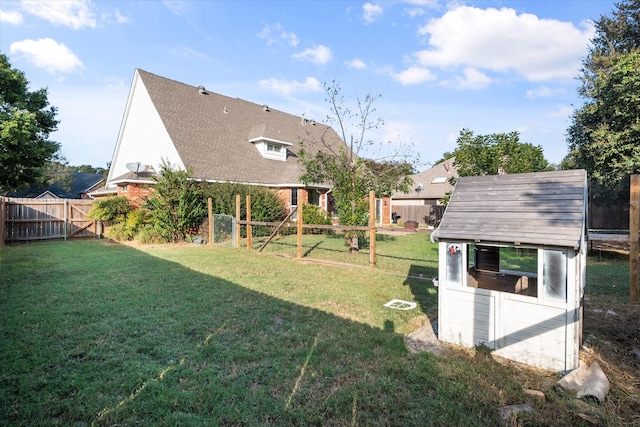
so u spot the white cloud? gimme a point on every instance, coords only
(71, 13)
(291, 38)
(371, 12)
(116, 17)
(10, 17)
(286, 87)
(562, 111)
(356, 63)
(472, 79)
(414, 12)
(271, 33)
(544, 92)
(399, 132)
(418, 7)
(177, 7)
(319, 55)
(267, 33)
(413, 75)
(47, 54)
(503, 41)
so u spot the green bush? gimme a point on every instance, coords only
(265, 205)
(176, 205)
(131, 226)
(110, 210)
(312, 214)
(149, 234)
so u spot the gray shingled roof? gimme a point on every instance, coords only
(543, 208)
(431, 190)
(211, 133)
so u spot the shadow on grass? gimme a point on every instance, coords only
(109, 335)
(419, 280)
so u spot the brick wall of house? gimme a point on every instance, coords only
(135, 193)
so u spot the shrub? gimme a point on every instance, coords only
(176, 206)
(312, 214)
(110, 210)
(265, 205)
(129, 228)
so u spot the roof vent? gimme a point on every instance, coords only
(202, 90)
(265, 107)
(225, 110)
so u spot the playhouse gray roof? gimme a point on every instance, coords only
(212, 133)
(541, 209)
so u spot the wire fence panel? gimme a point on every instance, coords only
(224, 230)
(398, 252)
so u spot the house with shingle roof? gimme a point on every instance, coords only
(217, 138)
(79, 186)
(422, 204)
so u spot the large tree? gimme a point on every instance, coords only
(604, 136)
(496, 153)
(26, 120)
(351, 169)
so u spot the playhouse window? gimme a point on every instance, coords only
(505, 269)
(554, 273)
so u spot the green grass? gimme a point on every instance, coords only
(93, 333)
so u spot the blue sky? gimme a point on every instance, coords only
(439, 66)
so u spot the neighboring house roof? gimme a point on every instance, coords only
(219, 138)
(432, 183)
(542, 208)
(80, 183)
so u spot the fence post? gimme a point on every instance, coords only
(66, 219)
(634, 235)
(299, 231)
(210, 210)
(249, 228)
(372, 230)
(2, 221)
(238, 210)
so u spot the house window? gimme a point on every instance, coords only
(293, 202)
(123, 188)
(314, 197)
(274, 148)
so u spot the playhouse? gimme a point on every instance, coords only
(512, 266)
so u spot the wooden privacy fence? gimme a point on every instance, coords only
(423, 214)
(23, 220)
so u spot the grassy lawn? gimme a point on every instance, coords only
(94, 333)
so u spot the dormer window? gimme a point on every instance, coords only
(275, 148)
(271, 148)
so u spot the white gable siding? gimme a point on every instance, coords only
(142, 137)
